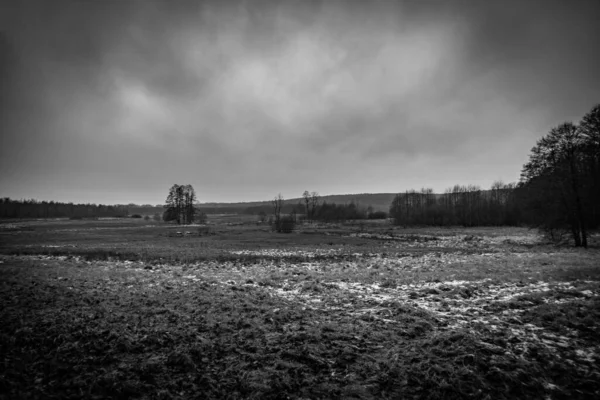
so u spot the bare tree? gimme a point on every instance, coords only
(554, 175)
(277, 204)
(306, 197)
(314, 203)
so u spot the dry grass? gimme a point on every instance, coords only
(121, 309)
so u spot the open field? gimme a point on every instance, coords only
(131, 309)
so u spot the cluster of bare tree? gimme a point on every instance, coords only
(459, 205)
(179, 205)
(560, 185)
(277, 204)
(279, 222)
(50, 209)
(311, 202)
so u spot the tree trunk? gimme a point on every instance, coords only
(582, 235)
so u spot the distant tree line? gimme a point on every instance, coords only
(332, 212)
(559, 190)
(50, 209)
(459, 205)
(286, 208)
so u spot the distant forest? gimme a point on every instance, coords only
(460, 205)
(50, 209)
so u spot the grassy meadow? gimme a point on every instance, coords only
(128, 308)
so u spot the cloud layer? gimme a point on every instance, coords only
(115, 101)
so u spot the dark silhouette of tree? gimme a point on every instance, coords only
(396, 209)
(189, 199)
(558, 182)
(590, 132)
(49, 209)
(458, 205)
(179, 205)
(314, 203)
(277, 204)
(306, 196)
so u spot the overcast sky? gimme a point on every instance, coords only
(115, 101)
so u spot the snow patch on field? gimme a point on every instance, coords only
(472, 305)
(286, 253)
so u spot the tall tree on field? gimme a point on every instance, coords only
(179, 196)
(590, 132)
(306, 197)
(277, 204)
(397, 209)
(556, 172)
(189, 196)
(314, 203)
(170, 206)
(179, 205)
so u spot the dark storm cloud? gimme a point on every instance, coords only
(228, 93)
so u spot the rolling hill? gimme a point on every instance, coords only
(379, 202)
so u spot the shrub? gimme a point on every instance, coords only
(378, 215)
(287, 224)
(136, 216)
